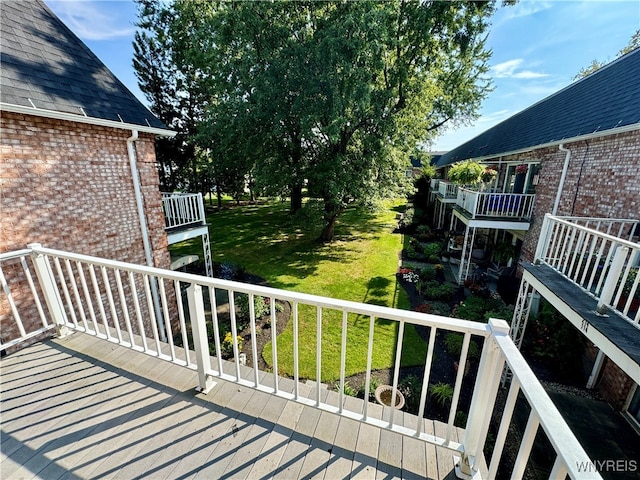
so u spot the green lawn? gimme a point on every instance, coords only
(359, 265)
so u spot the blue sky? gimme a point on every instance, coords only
(538, 46)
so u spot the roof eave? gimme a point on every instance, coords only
(40, 112)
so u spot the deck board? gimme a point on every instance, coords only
(82, 407)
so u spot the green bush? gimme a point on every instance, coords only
(227, 345)
(473, 308)
(259, 303)
(373, 384)
(434, 248)
(440, 308)
(453, 344)
(427, 273)
(435, 291)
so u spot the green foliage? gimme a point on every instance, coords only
(440, 308)
(555, 341)
(336, 93)
(453, 344)
(460, 419)
(466, 173)
(427, 273)
(434, 248)
(433, 290)
(441, 393)
(347, 389)
(480, 309)
(261, 308)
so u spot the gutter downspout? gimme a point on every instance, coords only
(131, 149)
(562, 177)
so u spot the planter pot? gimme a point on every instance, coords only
(444, 259)
(383, 396)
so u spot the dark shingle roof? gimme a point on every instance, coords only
(604, 100)
(44, 65)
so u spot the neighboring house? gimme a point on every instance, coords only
(575, 153)
(78, 167)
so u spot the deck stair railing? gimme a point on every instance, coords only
(182, 209)
(599, 255)
(111, 300)
(488, 204)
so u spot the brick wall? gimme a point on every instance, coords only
(603, 180)
(68, 186)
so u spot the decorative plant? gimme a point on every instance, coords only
(466, 173)
(442, 393)
(489, 174)
(227, 345)
(503, 251)
(522, 169)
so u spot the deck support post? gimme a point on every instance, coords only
(483, 400)
(200, 341)
(49, 290)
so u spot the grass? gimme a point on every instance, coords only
(359, 265)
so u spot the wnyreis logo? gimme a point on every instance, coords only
(597, 466)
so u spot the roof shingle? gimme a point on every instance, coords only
(607, 99)
(45, 65)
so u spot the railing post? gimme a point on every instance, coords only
(543, 239)
(483, 400)
(203, 216)
(613, 276)
(49, 290)
(200, 341)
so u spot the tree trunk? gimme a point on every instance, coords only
(296, 198)
(219, 195)
(328, 230)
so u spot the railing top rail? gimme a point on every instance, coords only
(416, 318)
(596, 219)
(606, 236)
(14, 254)
(558, 432)
(179, 194)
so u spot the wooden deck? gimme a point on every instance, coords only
(81, 407)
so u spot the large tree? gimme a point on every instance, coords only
(336, 94)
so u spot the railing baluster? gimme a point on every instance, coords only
(396, 371)
(458, 385)
(98, 296)
(559, 469)
(112, 305)
(525, 446)
(318, 353)
(136, 304)
(34, 292)
(87, 297)
(367, 382)
(343, 358)
(274, 343)
(125, 307)
(254, 347)
(167, 323)
(12, 304)
(65, 291)
(183, 326)
(216, 327)
(76, 295)
(296, 372)
(234, 332)
(425, 380)
(507, 413)
(151, 310)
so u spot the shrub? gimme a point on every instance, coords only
(348, 389)
(427, 273)
(227, 345)
(471, 309)
(423, 308)
(453, 344)
(260, 305)
(373, 384)
(441, 393)
(435, 291)
(440, 308)
(433, 248)
(460, 420)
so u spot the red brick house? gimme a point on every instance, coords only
(77, 165)
(574, 154)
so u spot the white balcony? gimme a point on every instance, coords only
(113, 399)
(495, 206)
(447, 191)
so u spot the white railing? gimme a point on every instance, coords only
(434, 184)
(502, 205)
(182, 209)
(447, 189)
(112, 300)
(595, 254)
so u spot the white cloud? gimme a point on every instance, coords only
(510, 69)
(525, 8)
(93, 20)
